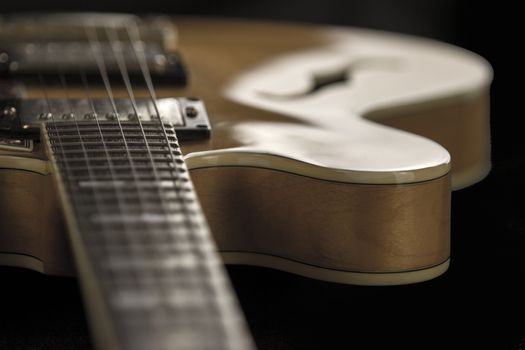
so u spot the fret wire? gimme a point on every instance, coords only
(114, 153)
(68, 134)
(154, 124)
(110, 142)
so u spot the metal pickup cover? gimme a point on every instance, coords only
(31, 45)
(188, 115)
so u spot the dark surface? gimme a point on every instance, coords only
(477, 304)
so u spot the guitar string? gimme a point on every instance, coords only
(120, 201)
(138, 51)
(111, 32)
(99, 58)
(58, 133)
(231, 335)
(118, 194)
(180, 201)
(235, 340)
(116, 49)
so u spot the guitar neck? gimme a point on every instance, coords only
(150, 274)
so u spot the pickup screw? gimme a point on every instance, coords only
(13, 66)
(191, 112)
(4, 57)
(133, 116)
(9, 112)
(111, 116)
(45, 116)
(90, 116)
(68, 116)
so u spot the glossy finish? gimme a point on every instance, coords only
(310, 179)
(326, 133)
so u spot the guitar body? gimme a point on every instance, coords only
(344, 179)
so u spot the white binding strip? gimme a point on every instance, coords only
(239, 158)
(232, 157)
(337, 276)
(21, 260)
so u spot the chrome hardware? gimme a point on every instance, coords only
(191, 112)
(13, 66)
(9, 119)
(25, 53)
(16, 144)
(187, 115)
(9, 112)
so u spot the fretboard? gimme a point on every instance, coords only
(148, 266)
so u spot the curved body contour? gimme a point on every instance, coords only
(349, 182)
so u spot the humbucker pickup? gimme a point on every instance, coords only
(25, 117)
(35, 45)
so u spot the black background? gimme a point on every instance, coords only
(478, 303)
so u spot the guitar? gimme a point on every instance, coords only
(328, 153)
